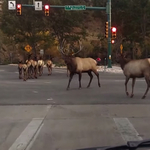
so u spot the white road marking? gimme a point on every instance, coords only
(34, 138)
(50, 99)
(16, 72)
(35, 91)
(47, 82)
(127, 130)
(27, 135)
(2, 70)
(48, 107)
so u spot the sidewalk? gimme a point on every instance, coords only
(114, 69)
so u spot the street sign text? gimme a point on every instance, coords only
(75, 7)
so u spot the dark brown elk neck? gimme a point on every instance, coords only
(71, 64)
(123, 62)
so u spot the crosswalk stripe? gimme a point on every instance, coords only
(27, 135)
(127, 130)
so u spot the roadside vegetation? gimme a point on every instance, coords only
(130, 17)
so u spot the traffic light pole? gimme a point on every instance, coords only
(108, 10)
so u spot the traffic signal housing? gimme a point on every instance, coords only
(46, 8)
(106, 29)
(113, 32)
(19, 9)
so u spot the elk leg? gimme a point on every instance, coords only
(29, 73)
(50, 70)
(35, 72)
(133, 83)
(24, 74)
(97, 74)
(126, 82)
(32, 72)
(91, 77)
(148, 85)
(39, 70)
(67, 72)
(42, 70)
(80, 75)
(20, 75)
(71, 76)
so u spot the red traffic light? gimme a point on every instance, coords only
(46, 10)
(18, 6)
(114, 29)
(112, 41)
(46, 7)
(18, 9)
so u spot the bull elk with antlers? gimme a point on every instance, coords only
(77, 65)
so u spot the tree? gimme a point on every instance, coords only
(25, 29)
(65, 25)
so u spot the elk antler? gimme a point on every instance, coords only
(61, 48)
(81, 47)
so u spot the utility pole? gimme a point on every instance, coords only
(108, 10)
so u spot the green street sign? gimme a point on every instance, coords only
(75, 7)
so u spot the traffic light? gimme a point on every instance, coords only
(113, 32)
(112, 41)
(19, 9)
(46, 10)
(106, 29)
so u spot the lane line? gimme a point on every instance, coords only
(50, 99)
(127, 130)
(37, 133)
(27, 135)
(34, 138)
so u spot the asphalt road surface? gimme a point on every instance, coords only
(40, 114)
(52, 89)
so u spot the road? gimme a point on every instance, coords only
(41, 114)
(52, 89)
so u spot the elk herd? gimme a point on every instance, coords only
(33, 68)
(76, 65)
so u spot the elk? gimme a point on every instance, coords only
(77, 65)
(32, 67)
(25, 72)
(40, 66)
(135, 69)
(49, 66)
